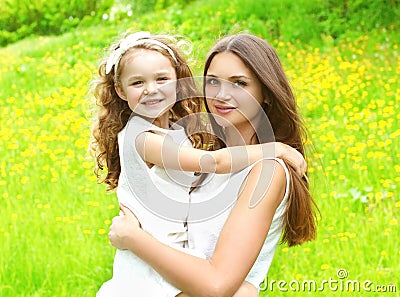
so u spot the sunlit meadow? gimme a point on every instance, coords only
(55, 217)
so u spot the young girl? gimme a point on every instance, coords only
(270, 197)
(144, 88)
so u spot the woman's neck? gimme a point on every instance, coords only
(237, 137)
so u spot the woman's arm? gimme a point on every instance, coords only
(164, 152)
(246, 289)
(237, 248)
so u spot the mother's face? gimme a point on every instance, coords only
(233, 92)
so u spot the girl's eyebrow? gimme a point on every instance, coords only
(140, 76)
(163, 72)
(135, 77)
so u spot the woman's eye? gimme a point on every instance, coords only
(212, 82)
(240, 83)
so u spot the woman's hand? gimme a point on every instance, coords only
(123, 228)
(292, 155)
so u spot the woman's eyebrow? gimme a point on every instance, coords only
(239, 76)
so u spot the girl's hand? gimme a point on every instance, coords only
(292, 155)
(123, 228)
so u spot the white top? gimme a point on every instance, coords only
(159, 197)
(210, 207)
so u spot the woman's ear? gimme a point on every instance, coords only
(120, 91)
(266, 101)
(266, 96)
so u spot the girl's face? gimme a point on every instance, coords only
(148, 83)
(233, 92)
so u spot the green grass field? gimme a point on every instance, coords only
(55, 217)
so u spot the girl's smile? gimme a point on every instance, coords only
(151, 102)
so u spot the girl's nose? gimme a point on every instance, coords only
(151, 87)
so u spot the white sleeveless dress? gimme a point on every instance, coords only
(210, 207)
(159, 199)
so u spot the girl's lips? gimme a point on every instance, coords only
(152, 102)
(224, 109)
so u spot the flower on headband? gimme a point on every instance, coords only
(129, 42)
(124, 45)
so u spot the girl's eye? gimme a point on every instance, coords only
(212, 81)
(137, 83)
(162, 79)
(240, 83)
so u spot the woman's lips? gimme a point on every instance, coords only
(224, 109)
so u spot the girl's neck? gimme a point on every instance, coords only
(162, 121)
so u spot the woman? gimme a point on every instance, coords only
(244, 75)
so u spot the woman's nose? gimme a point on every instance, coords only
(224, 92)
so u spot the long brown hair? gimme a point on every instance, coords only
(113, 112)
(281, 110)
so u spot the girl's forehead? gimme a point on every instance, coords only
(146, 58)
(143, 53)
(144, 63)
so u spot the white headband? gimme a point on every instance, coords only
(131, 41)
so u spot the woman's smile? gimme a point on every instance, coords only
(224, 109)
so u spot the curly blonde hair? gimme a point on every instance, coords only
(113, 113)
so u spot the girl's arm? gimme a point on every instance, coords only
(237, 248)
(164, 152)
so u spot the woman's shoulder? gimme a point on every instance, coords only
(269, 166)
(268, 178)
